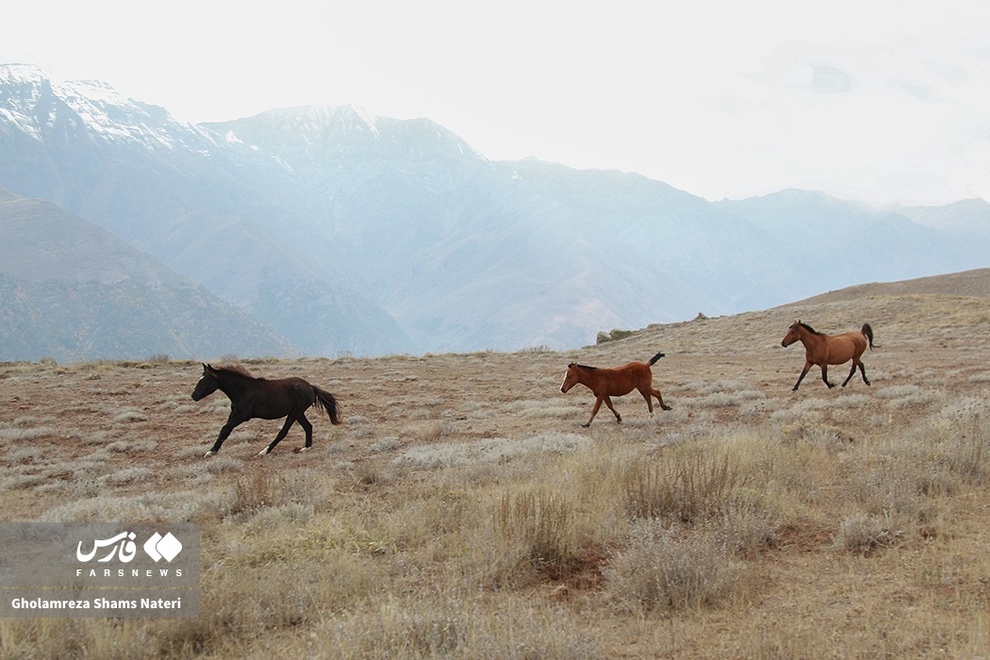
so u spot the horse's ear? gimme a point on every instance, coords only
(207, 368)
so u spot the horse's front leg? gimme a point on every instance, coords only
(278, 438)
(804, 372)
(594, 411)
(232, 422)
(825, 376)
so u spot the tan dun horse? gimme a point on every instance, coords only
(605, 383)
(252, 397)
(823, 350)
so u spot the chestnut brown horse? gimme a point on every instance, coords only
(823, 350)
(252, 397)
(605, 383)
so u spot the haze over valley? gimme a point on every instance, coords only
(328, 231)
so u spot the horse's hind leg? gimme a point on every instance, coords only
(862, 369)
(608, 402)
(656, 393)
(278, 438)
(852, 370)
(857, 363)
(649, 402)
(647, 392)
(308, 428)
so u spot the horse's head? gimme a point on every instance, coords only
(571, 378)
(207, 385)
(793, 334)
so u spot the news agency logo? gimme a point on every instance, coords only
(119, 569)
(123, 548)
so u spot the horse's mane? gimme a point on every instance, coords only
(581, 366)
(809, 328)
(235, 369)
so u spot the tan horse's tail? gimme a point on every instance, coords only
(653, 360)
(868, 331)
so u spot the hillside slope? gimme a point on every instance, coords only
(70, 290)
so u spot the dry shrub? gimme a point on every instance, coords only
(664, 568)
(823, 434)
(863, 533)
(748, 528)
(542, 526)
(255, 602)
(684, 486)
(18, 434)
(177, 506)
(489, 450)
(452, 625)
(253, 491)
(959, 435)
(42, 638)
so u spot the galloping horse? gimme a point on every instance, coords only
(605, 383)
(266, 399)
(823, 350)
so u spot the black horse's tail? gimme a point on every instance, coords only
(328, 403)
(868, 331)
(653, 360)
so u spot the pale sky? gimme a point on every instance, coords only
(880, 101)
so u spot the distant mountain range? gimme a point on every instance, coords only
(70, 290)
(328, 231)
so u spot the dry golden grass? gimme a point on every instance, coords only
(461, 510)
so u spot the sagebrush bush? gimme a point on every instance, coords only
(687, 486)
(864, 532)
(667, 567)
(541, 525)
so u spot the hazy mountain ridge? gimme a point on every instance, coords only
(352, 233)
(70, 290)
(209, 208)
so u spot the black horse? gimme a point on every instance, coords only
(267, 399)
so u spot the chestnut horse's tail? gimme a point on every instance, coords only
(868, 331)
(328, 403)
(654, 359)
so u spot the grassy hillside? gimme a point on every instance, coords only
(461, 510)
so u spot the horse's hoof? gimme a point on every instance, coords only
(667, 408)
(299, 450)
(584, 426)
(264, 452)
(209, 453)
